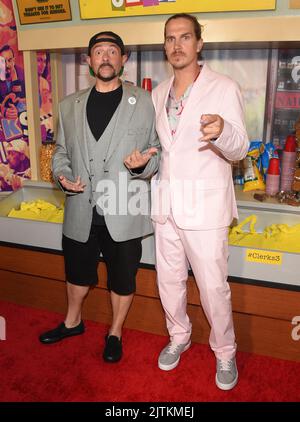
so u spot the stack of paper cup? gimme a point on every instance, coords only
(273, 177)
(288, 163)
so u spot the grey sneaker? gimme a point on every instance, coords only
(170, 356)
(227, 374)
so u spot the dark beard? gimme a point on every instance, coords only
(108, 78)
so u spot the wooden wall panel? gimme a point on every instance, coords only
(257, 300)
(32, 262)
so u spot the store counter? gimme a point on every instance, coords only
(265, 298)
(40, 234)
(48, 235)
(284, 268)
(28, 232)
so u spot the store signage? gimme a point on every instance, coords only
(91, 9)
(41, 11)
(263, 257)
(287, 100)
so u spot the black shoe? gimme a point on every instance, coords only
(113, 349)
(61, 332)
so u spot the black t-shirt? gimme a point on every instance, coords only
(101, 106)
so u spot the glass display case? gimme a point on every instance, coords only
(236, 63)
(280, 266)
(48, 235)
(286, 94)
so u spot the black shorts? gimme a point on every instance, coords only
(121, 259)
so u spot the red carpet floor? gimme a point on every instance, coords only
(73, 370)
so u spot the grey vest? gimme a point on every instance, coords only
(97, 151)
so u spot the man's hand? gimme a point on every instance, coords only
(211, 126)
(11, 112)
(137, 159)
(8, 108)
(77, 186)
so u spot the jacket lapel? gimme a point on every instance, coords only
(80, 124)
(125, 111)
(193, 100)
(163, 111)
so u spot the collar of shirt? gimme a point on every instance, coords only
(175, 107)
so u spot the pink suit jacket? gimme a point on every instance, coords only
(194, 179)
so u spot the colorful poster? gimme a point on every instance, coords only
(93, 9)
(14, 148)
(40, 11)
(45, 96)
(287, 95)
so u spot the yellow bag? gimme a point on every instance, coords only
(239, 237)
(280, 237)
(253, 179)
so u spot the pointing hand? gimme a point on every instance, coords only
(211, 126)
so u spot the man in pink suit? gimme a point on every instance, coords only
(200, 123)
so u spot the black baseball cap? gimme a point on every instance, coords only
(106, 36)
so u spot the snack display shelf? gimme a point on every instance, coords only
(46, 235)
(41, 234)
(267, 213)
(29, 232)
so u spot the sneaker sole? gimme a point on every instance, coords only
(170, 367)
(226, 387)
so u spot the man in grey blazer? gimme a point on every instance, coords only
(101, 132)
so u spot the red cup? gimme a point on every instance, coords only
(147, 84)
(290, 143)
(273, 166)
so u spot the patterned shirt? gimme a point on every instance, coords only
(175, 107)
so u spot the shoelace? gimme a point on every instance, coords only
(173, 348)
(225, 365)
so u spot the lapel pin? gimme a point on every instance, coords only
(132, 100)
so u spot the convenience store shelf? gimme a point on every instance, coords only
(46, 235)
(267, 213)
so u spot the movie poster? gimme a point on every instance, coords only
(45, 96)
(14, 148)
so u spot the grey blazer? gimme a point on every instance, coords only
(135, 128)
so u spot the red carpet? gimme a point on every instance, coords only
(73, 370)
